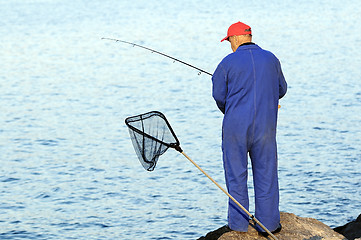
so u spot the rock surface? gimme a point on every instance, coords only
(293, 228)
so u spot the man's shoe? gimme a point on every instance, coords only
(265, 234)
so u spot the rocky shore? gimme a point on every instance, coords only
(294, 228)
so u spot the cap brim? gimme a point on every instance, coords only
(226, 38)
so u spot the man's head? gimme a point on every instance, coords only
(238, 33)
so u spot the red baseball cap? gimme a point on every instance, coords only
(236, 29)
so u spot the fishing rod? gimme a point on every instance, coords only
(163, 54)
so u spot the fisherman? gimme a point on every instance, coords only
(247, 86)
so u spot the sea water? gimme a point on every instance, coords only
(68, 169)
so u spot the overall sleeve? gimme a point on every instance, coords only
(282, 82)
(219, 80)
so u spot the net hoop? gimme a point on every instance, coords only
(150, 114)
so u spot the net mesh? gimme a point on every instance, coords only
(151, 135)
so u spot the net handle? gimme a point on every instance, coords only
(230, 196)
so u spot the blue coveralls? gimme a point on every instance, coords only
(247, 85)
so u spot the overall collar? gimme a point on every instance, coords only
(246, 44)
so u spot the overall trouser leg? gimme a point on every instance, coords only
(235, 165)
(264, 166)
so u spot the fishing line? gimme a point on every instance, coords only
(160, 53)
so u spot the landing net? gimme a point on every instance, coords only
(151, 135)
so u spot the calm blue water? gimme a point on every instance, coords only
(68, 169)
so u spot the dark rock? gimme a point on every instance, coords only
(351, 230)
(214, 235)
